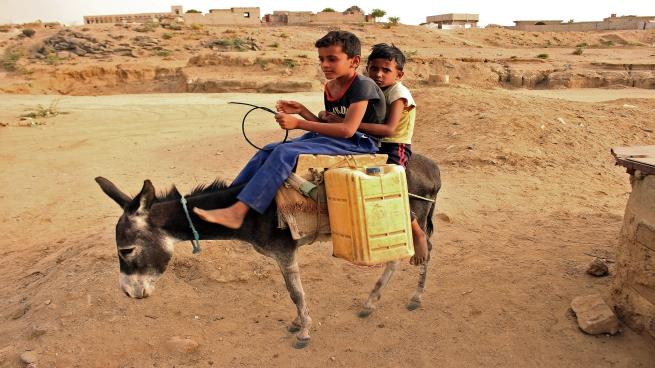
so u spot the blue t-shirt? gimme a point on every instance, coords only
(361, 88)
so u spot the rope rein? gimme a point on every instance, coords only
(243, 123)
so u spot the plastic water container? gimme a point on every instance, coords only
(369, 214)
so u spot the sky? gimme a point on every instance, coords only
(502, 12)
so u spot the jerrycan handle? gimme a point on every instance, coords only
(373, 170)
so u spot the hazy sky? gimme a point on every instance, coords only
(410, 11)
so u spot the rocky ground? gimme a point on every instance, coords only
(530, 198)
(107, 59)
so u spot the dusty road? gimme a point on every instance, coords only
(526, 200)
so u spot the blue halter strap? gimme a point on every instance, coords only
(196, 237)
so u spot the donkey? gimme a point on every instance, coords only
(150, 226)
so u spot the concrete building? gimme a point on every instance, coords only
(232, 16)
(176, 11)
(283, 17)
(452, 21)
(610, 23)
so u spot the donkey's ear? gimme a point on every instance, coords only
(114, 193)
(144, 200)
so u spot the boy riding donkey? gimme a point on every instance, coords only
(352, 97)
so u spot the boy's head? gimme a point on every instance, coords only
(339, 53)
(385, 64)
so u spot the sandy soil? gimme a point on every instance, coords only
(530, 195)
(525, 204)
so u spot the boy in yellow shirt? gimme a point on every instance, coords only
(385, 67)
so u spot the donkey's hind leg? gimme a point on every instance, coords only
(376, 293)
(291, 273)
(415, 301)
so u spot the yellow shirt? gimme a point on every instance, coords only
(405, 129)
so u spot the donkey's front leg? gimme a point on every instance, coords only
(290, 271)
(376, 293)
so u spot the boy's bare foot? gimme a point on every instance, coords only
(231, 217)
(420, 245)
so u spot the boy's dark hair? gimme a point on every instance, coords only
(348, 41)
(387, 52)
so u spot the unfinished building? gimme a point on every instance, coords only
(612, 22)
(232, 16)
(283, 17)
(176, 12)
(221, 17)
(452, 21)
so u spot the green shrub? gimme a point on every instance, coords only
(328, 10)
(196, 27)
(53, 59)
(167, 36)
(542, 56)
(164, 53)
(193, 11)
(290, 63)
(578, 51)
(583, 44)
(230, 43)
(394, 21)
(28, 32)
(9, 60)
(607, 43)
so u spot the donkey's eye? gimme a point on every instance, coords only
(126, 252)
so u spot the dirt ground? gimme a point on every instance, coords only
(530, 195)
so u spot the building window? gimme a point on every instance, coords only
(246, 14)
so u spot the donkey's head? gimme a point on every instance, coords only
(143, 248)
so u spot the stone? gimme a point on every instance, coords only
(28, 357)
(594, 316)
(598, 268)
(20, 312)
(37, 331)
(182, 345)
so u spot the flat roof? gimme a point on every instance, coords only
(452, 17)
(640, 158)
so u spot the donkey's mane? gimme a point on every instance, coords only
(173, 194)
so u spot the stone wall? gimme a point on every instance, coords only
(610, 24)
(633, 287)
(336, 17)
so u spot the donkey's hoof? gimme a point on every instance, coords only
(365, 312)
(301, 343)
(293, 328)
(413, 305)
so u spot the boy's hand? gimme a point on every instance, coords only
(286, 121)
(289, 107)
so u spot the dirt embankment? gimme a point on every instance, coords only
(105, 59)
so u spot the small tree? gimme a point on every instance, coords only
(571, 20)
(328, 10)
(28, 32)
(193, 11)
(394, 21)
(353, 9)
(378, 13)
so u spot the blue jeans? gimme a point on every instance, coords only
(269, 168)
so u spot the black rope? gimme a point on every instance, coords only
(243, 123)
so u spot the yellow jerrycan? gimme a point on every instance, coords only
(369, 213)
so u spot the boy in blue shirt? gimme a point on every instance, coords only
(385, 66)
(352, 97)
